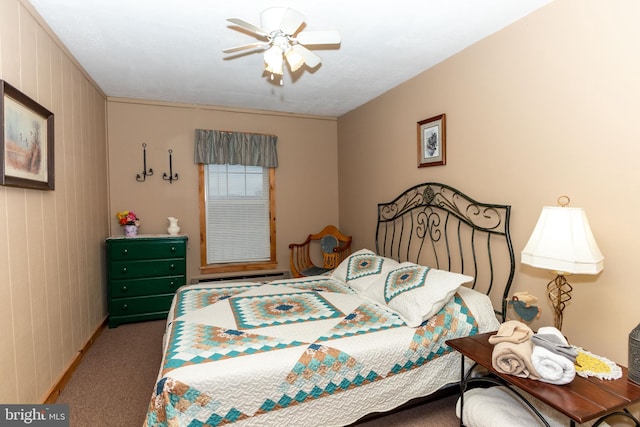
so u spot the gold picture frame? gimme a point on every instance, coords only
(432, 149)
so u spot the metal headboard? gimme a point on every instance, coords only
(438, 226)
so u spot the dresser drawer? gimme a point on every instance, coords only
(154, 268)
(140, 305)
(146, 286)
(136, 249)
(143, 274)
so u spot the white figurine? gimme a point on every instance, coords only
(173, 228)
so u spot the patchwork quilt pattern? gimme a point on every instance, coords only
(366, 318)
(362, 265)
(452, 321)
(195, 343)
(191, 299)
(319, 284)
(288, 347)
(269, 310)
(320, 371)
(404, 279)
(186, 406)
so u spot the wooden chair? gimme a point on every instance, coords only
(334, 246)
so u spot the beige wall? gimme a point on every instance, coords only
(306, 178)
(51, 264)
(546, 107)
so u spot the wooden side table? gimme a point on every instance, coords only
(582, 400)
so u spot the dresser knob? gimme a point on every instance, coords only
(125, 306)
(173, 249)
(123, 289)
(125, 251)
(172, 267)
(124, 270)
(172, 284)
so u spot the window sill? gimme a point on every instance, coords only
(234, 267)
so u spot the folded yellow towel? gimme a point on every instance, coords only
(512, 331)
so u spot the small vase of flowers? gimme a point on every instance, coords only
(130, 221)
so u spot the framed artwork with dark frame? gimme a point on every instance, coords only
(432, 142)
(26, 141)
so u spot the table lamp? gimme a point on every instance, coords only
(562, 242)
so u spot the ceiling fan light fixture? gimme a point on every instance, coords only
(279, 26)
(273, 60)
(294, 59)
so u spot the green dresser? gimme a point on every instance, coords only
(143, 274)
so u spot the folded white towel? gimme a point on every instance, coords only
(555, 345)
(552, 339)
(552, 367)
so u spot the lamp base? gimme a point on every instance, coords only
(559, 292)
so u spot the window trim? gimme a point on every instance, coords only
(237, 266)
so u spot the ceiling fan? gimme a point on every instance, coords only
(278, 28)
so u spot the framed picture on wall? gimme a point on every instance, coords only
(432, 142)
(26, 141)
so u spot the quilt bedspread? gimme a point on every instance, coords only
(256, 353)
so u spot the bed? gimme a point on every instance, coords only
(366, 338)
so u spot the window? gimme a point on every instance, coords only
(237, 218)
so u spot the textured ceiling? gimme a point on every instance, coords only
(170, 50)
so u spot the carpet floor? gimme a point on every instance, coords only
(114, 381)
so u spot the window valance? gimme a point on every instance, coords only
(235, 148)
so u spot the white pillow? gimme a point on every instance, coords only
(340, 271)
(414, 292)
(362, 268)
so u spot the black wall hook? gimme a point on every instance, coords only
(171, 177)
(142, 177)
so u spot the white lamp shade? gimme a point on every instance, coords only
(562, 241)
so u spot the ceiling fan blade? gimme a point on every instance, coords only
(319, 37)
(248, 26)
(270, 18)
(291, 21)
(311, 59)
(246, 46)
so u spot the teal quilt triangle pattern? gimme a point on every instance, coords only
(429, 340)
(320, 371)
(367, 318)
(188, 300)
(193, 343)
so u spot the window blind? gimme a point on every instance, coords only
(237, 213)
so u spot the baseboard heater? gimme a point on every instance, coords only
(258, 277)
